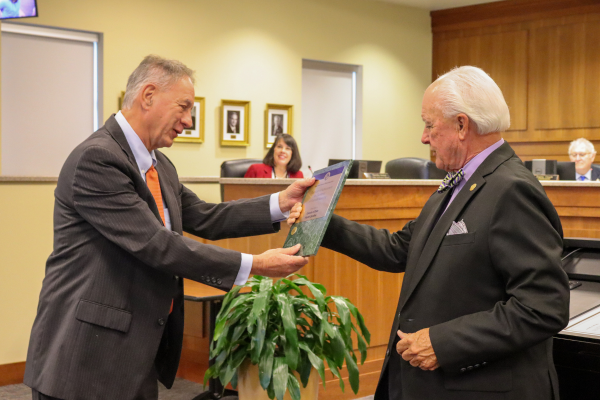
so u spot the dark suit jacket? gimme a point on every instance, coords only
(103, 318)
(266, 171)
(492, 297)
(595, 172)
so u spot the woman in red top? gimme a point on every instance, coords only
(282, 161)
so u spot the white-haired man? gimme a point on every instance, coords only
(110, 314)
(483, 290)
(582, 153)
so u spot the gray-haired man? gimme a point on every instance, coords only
(110, 314)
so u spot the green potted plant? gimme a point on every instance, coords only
(286, 333)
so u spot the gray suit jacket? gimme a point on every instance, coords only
(103, 318)
(492, 297)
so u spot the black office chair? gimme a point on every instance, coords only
(565, 170)
(236, 169)
(413, 168)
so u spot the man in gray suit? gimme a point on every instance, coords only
(110, 314)
(483, 290)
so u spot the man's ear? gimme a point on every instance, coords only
(147, 95)
(462, 126)
(593, 156)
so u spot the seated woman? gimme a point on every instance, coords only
(282, 161)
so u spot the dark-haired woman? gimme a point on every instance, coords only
(282, 161)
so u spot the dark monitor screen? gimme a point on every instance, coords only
(359, 166)
(10, 9)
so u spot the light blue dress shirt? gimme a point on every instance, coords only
(587, 176)
(145, 160)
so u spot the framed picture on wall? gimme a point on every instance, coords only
(278, 119)
(235, 123)
(196, 133)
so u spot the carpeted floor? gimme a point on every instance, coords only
(181, 390)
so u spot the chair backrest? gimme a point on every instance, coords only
(413, 168)
(565, 170)
(435, 172)
(236, 169)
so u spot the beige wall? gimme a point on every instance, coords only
(241, 50)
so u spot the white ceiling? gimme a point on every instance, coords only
(438, 4)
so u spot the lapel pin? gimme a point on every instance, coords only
(473, 186)
(294, 230)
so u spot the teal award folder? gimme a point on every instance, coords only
(317, 208)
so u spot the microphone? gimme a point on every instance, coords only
(311, 171)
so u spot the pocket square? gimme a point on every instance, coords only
(457, 228)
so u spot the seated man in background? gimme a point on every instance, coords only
(582, 153)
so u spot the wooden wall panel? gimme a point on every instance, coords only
(565, 78)
(503, 56)
(561, 88)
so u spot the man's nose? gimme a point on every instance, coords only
(186, 121)
(425, 138)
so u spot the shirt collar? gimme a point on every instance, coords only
(143, 158)
(470, 167)
(588, 175)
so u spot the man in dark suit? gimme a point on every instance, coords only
(484, 290)
(110, 314)
(582, 153)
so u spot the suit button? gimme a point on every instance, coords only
(219, 281)
(387, 353)
(476, 365)
(463, 370)
(483, 364)
(469, 368)
(213, 280)
(161, 321)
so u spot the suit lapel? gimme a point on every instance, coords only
(432, 234)
(117, 134)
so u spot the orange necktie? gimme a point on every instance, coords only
(154, 186)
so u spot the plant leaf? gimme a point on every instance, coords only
(315, 360)
(280, 377)
(304, 369)
(344, 312)
(293, 387)
(352, 371)
(339, 347)
(229, 297)
(292, 285)
(291, 333)
(258, 338)
(224, 315)
(334, 370)
(260, 302)
(265, 364)
(362, 346)
(314, 290)
(359, 318)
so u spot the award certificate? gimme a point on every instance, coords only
(317, 207)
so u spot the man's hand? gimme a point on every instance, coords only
(294, 214)
(278, 263)
(417, 350)
(293, 194)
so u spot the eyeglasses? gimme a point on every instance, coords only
(578, 155)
